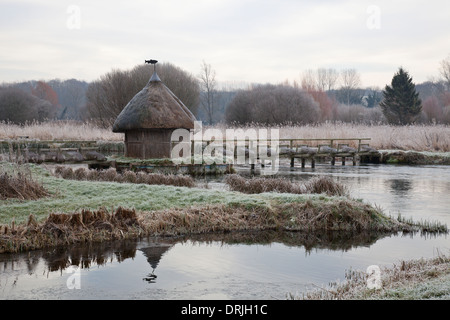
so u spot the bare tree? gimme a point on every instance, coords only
(18, 106)
(331, 78)
(309, 80)
(208, 86)
(316, 83)
(107, 96)
(272, 104)
(71, 97)
(321, 79)
(445, 71)
(350, 80)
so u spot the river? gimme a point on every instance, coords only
(242, 266)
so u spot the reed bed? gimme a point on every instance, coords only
(58, 130)
(18, 183)
(64, 229)
(408, 280)
(111, 175)
(337, 214)
(433, 138)
(318, 185)
(416, 137)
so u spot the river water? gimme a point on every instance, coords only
(243, 266)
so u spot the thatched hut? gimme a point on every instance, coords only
(149, 119)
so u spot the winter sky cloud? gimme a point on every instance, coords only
(244, 41)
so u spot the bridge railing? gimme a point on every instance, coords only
(298, 142)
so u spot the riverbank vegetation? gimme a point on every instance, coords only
(78, 211)
(17, 183)
(127, 176)
(317, 185)
(418, 279)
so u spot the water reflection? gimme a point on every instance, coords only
(399, 187)
(154, 254)
(230, 265)
(236, 265)
(88, 256)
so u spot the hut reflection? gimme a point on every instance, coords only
(89, 255)
(400, 187)
(154, 254)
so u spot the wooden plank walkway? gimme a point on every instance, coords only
(313, 149)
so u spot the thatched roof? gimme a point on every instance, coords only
(154, 107)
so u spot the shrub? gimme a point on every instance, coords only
(259, 185)
(80, 174)
(324, 184)
(127, 176)
(67, 173)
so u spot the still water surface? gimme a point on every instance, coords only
(242, 266)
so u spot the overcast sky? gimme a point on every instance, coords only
(244, 41)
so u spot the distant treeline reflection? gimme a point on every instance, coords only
(86, 256)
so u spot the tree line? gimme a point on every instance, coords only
(324, 94)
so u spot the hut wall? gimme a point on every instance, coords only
(148, 144)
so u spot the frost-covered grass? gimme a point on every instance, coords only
(171, 210)
(72, 195)
(420, 279)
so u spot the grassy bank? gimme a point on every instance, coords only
(419, 279)
(414, 157)
(77, 211)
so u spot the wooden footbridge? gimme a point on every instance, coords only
(315, 149)
(101, 155)
(308, 150)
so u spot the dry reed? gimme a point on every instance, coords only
(383, 137)
(63, 229)
(58, 130)
(111, 175)
(20, 184)
(412, 137)
(322, 184)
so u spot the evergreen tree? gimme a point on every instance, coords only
(401, 104)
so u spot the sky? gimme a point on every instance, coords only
(244, 41)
